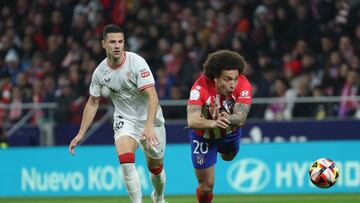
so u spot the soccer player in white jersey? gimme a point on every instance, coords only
(138, 119)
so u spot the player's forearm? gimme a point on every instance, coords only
(239, 116)
(237, 120)
(195, 120)
(152, 109)
(88, 115)
(200, 123)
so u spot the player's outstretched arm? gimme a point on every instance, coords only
(239, 116)
(88, 116)
(195, 119)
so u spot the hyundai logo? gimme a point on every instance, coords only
(248, 175)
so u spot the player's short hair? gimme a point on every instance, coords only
(223, 60)
(111, 28)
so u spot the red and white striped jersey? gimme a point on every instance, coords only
(203, 93)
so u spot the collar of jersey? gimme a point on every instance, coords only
(118, 66)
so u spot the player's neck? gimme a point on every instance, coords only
(218, 92)
(115, 62)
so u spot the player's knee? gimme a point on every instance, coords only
(206, 186)
(228, 157)
(127, 158)
(156, 170)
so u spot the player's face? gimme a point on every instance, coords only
(114, 45)
(226, 83)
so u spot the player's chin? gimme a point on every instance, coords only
(117, 54)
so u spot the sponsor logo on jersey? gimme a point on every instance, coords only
(145, 74)
(194, 94)
(245, 94)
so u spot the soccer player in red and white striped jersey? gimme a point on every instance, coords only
(218, 106)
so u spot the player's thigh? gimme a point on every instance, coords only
(126, 136)
(125, 144)
(154, 155)
(205, 178)
(229, 146)
(203, 151)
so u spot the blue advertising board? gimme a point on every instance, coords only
(272, 168)
(253, 132)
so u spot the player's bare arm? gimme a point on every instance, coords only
(197, 121)
(88, 116)
(149, 132)
(239, 116)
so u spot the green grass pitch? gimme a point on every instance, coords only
(306, 198)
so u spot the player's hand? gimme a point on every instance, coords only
(214, 111)
(149, 136)
(73, 143)
(223, 120)
(224, 114)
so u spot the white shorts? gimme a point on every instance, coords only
(124, 127)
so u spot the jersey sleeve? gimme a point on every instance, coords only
(198, 94)
(244, 93)
(95, 85)
(144, 76)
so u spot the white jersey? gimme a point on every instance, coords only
(126, 83)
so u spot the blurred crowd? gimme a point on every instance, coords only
(295, 48)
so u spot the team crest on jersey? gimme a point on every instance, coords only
(228, 105)
(128, 75)
(200, 159)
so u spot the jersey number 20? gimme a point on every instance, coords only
(201, 147)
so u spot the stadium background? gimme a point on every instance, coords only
(303, 62)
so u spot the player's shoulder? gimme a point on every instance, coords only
(243, 81)
(202, 85)
(243, 88)
(202, 80)
(102, 66)
(133, 56)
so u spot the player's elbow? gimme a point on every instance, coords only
(191, 123)
(93, 101)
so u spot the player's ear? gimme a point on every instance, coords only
(103, 43)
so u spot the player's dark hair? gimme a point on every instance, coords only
(111, 28)
(223, 60)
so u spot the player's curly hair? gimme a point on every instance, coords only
(111, 28)
(223, 60)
